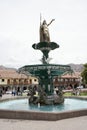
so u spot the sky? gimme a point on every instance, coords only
(19, 30)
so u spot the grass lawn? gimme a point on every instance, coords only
(83, 93)
(69, 94)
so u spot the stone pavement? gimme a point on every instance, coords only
(5, 96)
(79, 123)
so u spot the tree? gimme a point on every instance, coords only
(84, 74)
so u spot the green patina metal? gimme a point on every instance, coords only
(45, 47)
(40, 70)
(46, 72)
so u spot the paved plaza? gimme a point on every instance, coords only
(79, 123)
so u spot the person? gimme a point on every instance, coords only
(44, 31)
(0, 92)
(13, 92)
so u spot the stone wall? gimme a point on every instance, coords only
(31, 115)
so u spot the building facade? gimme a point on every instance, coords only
(11, 78)
(68, 81)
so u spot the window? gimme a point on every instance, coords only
(8, 81)
(35, 80)
(30, 81)
(14, 80)
(3, 80)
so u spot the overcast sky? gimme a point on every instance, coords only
(19, 29)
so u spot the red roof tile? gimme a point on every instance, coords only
(11, 74)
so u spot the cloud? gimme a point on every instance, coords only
(19, 29)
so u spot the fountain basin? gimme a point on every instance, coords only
(46, 74)
(39, 113)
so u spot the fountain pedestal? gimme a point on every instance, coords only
(46, 73)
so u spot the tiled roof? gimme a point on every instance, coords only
(6, 73)
(73, 75)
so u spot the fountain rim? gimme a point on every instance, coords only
(41, 115)
(44, 66)
(59, 65)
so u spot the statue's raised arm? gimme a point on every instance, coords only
(44, 31)
(51, 21)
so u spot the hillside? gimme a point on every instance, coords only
(5, 68)
(77, 67)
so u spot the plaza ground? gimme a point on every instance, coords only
(78, 123)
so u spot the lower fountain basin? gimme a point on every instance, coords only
(20, 109)
(22, 104)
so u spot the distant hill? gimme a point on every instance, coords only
(77, 67)
(5, 68)
(74, 67)
(2, 67)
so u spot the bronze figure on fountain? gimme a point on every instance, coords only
(44, 31)
(45, 44)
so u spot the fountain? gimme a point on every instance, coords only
(45, 72)
(40, 105)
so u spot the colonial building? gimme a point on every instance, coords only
(68, 80)
(10, 78)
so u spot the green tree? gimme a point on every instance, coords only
(84, 74)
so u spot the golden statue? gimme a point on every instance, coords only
(44, 31)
